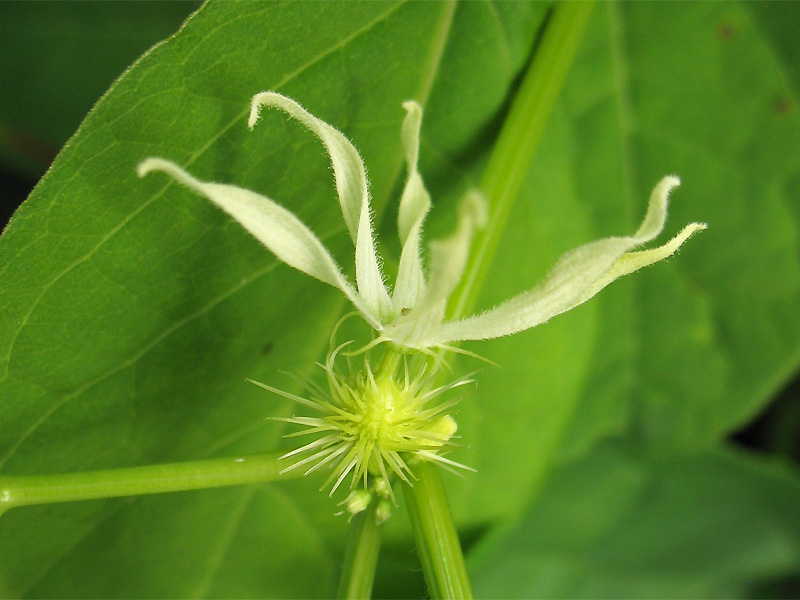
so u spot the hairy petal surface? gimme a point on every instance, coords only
(448, 260)
(414, 206)
(575, 278)
(351, 185)
(271, 224)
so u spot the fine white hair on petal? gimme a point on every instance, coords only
(448, 259)
(271, 224)
(351, 185)
(414, 206)
(575, 278)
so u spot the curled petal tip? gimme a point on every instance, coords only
(256, 103)
(255, 113)
(693, 228)
(665, 186)
(148, 165)
(412, 106)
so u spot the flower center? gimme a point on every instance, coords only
(378, 417)
(374, 425)
(388, 420)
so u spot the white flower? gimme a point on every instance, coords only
(412, 315)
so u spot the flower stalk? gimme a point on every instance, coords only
(361, 555)
(436, 536)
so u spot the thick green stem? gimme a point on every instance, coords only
(516, 145)
(361, 556)
(435, 535)
(156, 479)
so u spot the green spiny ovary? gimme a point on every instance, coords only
(373, 425)
(391, 420)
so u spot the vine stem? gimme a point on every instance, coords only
(23, 490)
(519, 138)
(361, 555)
(434, 531)
(436, 536)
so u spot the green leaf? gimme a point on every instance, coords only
(686, 351)
(615, 525)
(209, 544)
(775, 20)
(691, 350)
(58, 58)
(130, 340)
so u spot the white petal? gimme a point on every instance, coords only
(414, 206)
(448, 258)
(348, 168)
(351, 185)
(369, 277)
(633, 261)
(575, 278)
(274, 226)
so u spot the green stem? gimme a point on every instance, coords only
(516, 145)
(388, 364)
(435, 535)
(361, 556)
(156, 479)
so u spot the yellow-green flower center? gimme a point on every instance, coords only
(372, 425)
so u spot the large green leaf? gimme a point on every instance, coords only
(687, 351)
(614, 525)
(691, 350)
(156, 307)
(777, 22)
(133, 311)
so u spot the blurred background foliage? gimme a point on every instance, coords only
(58, 59)
(604, 523)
